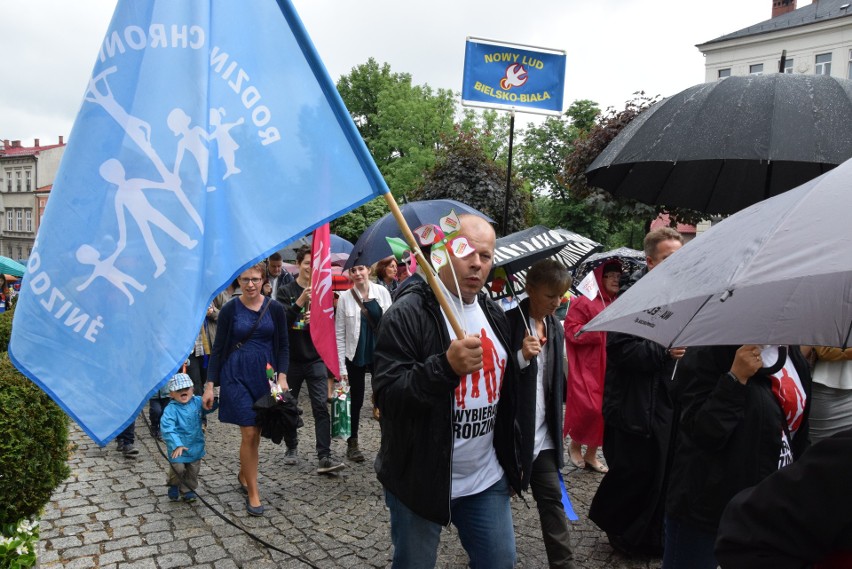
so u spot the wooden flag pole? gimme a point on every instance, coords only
(421, 260)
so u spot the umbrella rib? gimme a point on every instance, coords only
(672, 343)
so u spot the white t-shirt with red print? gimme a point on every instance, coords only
(788, 391)
(475, 465)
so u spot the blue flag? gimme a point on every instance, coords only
(210, 135)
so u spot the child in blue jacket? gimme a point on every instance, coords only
(180, 426)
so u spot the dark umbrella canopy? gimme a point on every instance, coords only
(372, 245)
(630, 259)
(722, 146)
(517, 252)
(337, 245)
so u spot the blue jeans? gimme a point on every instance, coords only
(688, 547)
(484, 523)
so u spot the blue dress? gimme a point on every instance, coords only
(243, 375)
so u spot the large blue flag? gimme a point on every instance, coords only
(210, 134)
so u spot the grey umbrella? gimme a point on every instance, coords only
(778, 272)
(719, 147)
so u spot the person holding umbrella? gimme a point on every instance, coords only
(586, 367)
(535, 328)
(639, 425)
(745, 416)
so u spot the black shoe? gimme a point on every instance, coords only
(327, 466)
(130, 451)
(291, 456)
(253, 510)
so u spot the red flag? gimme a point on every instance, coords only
(322, 300)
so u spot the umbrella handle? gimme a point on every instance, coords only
(430, 278)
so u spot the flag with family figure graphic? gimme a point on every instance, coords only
(209, 136)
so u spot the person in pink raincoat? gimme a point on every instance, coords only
(586, 367)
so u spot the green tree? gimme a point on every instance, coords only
(622, 214)
(465, 173)
(402, 124)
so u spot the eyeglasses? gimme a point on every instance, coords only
(246, 280)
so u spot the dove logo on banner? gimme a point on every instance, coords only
(203, 126)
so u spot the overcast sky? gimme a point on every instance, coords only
(614, 47)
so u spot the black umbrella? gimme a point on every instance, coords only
(719, 147)
(516, 252)
(630, 259)
(372, 245)
(276, 418)
(337, 245)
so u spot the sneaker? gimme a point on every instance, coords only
(327, 466)
(354, 453)
(291, 456)
(130, 451)
(190, 496)
(174, 493)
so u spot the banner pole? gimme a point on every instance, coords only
(508, 175)
(430, 278)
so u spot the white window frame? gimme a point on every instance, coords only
(822, 67)
(28, 220)
(722, 73)
(19, 217)
(755, 69)
(10, 220)
(788, 65)
(29, 180)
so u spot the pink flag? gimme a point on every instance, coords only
(322, 300)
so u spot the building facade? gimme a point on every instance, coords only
(814, 39)
(26, 176)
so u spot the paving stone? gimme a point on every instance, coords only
(121, 518)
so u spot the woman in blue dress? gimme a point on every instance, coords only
(252, 332)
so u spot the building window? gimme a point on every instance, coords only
(8, 181)
(18, 177)
(724, 73)
(20, 217)
(788, 65)
(823, 64)
(849, 71)
(29, 220)
(9, 220)
(20, 254)
(29, 180)
(755, 69)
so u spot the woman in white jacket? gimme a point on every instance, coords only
(357, 319)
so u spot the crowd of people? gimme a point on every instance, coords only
(468, 419)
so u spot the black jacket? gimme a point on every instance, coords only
(301, 345)
(413, 385)
(796, 517)
(554, 390)
(730, 434)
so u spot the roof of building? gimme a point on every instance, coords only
(817, 12)
(9, 150)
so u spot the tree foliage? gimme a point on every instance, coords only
(587, 148)
(465, 173)
(402, 124)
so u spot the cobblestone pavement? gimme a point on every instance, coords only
(114, 512)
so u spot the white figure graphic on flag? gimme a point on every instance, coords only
(224, 141)
(191, 139)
